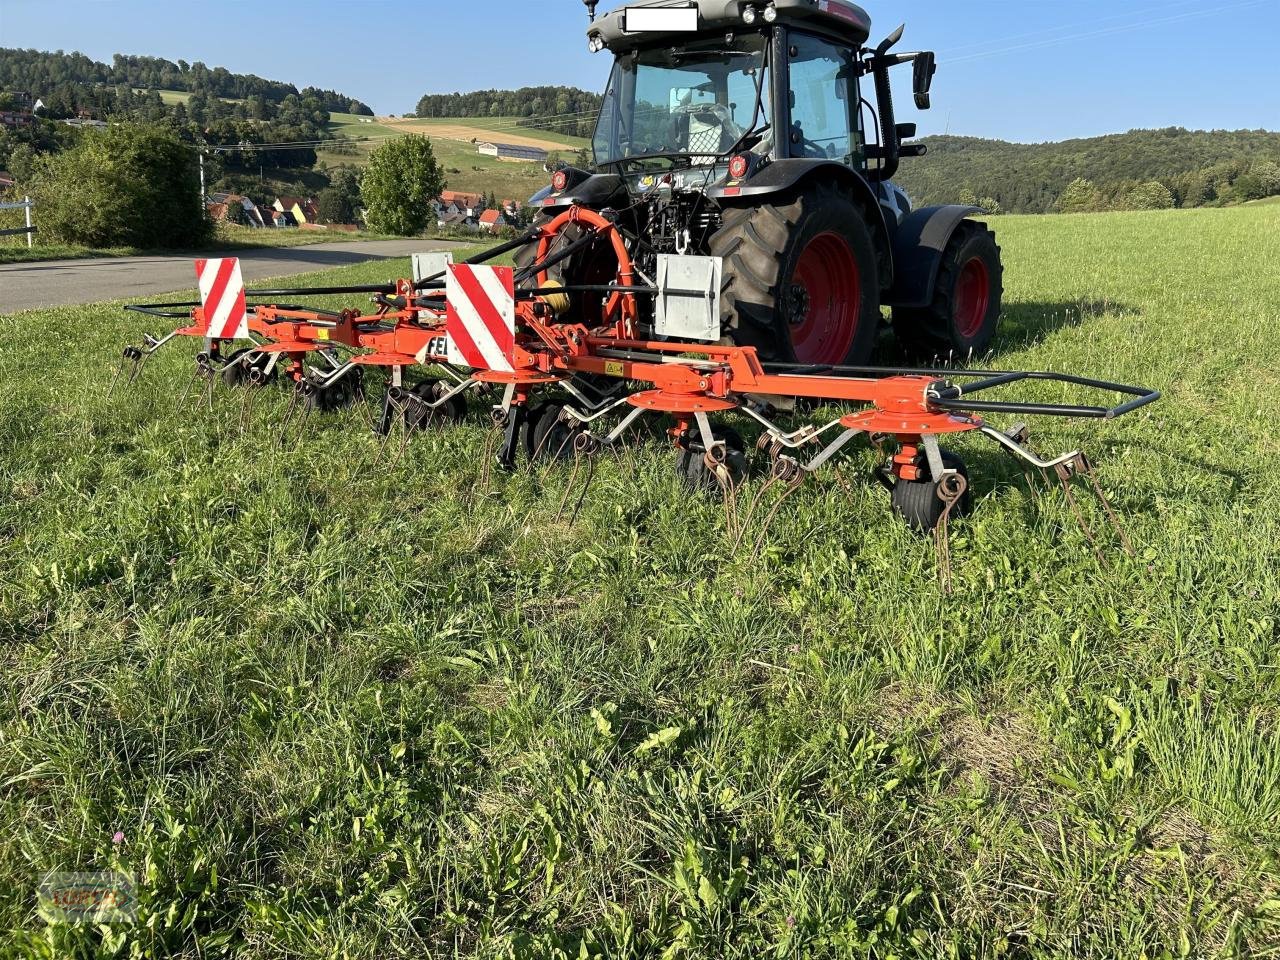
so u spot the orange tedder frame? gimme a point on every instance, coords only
(905, 409)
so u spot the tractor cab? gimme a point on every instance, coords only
(717, 89)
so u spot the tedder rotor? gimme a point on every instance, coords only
(566, 387)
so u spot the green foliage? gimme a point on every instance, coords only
(1147, 196)
(340, 201)
(349, 702)
(400, 186)
(125, 186)
(991, 205)
(1198, 168)
(1081, 196)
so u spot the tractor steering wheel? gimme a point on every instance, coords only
(812, 148)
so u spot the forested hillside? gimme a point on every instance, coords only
(566, 110)
(72, 80)
(1196, 168)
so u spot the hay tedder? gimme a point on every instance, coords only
(710, 268)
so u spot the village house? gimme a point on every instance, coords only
(492, 220)
(252, 215)
(461, 210)
(302, 210)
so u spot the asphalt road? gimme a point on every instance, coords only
(56, 283)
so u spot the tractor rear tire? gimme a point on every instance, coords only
(595, 264)
(801, 283)
(965, 313)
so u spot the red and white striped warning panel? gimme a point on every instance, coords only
(481, 319)
(222, 296)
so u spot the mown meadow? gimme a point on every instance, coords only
(323, 698)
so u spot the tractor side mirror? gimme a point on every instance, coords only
(925, 67)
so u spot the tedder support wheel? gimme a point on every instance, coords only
(965, 312)
(340, 395)
(239, 373)
(546, 436)
(419, 417)
(918, 503)
(691, 462)
(800, 279)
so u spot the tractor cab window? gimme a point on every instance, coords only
(824, 100)
(695, 101)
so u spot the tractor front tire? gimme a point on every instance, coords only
(963, 318)
(800, 283)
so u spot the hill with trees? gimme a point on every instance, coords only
(566, 110)
(74, 79)
(1141, 169)
(261, 133)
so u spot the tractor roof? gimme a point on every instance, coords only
(846, 19)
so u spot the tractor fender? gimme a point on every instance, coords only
(781, 176)
(918, 246)
(597, 191)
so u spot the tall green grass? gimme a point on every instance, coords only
(351, 701)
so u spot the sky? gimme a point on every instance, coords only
(1023, 70)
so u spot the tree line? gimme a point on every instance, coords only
(1141, 169)
(41, 72)
(566, 110)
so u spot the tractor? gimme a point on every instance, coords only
(740, 130)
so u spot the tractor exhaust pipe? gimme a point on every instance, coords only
(891, 158)
(891, 146)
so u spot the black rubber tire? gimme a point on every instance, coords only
(420, 418)
(342, 394)
(916, 501)
(549, 437)
(596, 264)
(239, 375)
(691, 465)
(524, 257)
(761, 247)
(934, 330)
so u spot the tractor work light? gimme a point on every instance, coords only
(770, 13)
(749, 15)
(595, 44)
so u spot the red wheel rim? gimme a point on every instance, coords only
(827, 288)
(973, 297)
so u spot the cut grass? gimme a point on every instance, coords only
(343, 701)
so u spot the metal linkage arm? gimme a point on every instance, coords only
(955, 397)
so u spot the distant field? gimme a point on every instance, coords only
(353, 125)
(466, 169)
(182, 96)
(502, 129)
(321, 697)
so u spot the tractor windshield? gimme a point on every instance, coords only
(692, 102)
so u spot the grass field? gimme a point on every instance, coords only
(325, 701)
